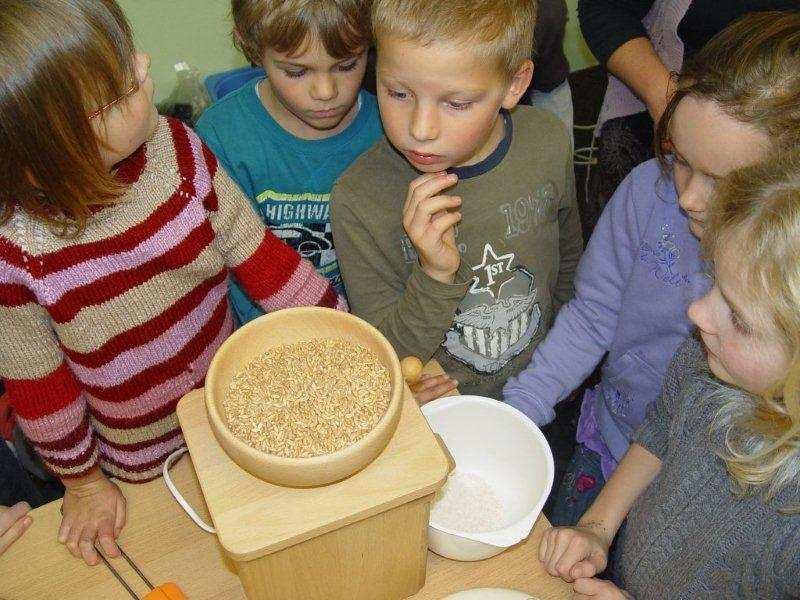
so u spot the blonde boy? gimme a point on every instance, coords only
(490, 237)
(286, 137)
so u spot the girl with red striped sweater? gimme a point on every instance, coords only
(118, 233)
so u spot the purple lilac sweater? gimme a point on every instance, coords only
(640, 272)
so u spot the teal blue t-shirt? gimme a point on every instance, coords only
(288, 179)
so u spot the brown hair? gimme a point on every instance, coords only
(498, 30)
(58, 61)
(751, 70)
(285, 25)
(758, 208)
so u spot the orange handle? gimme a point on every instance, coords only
(166, 591)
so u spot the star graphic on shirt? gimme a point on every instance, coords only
(493, 272)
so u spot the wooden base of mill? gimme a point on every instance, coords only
(364, 538)
(380, 558)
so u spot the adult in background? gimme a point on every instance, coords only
(640, 42)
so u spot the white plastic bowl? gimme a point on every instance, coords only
(505, 448)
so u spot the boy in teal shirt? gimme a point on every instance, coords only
(285, 138)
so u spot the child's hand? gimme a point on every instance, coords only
(93, 511)
(430, 387)
(573, 552)
(430, 225)
(598, 589)
(14, 521)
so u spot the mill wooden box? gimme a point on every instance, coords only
(364, 538)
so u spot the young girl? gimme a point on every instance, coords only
(713, 475)
(736, 100)
(118, 235)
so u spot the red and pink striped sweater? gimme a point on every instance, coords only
(102, 335)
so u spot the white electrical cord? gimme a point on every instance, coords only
(175, 494)
(584, 157)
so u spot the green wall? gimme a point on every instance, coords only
(198, 32)
(195, 31)
(577, 52)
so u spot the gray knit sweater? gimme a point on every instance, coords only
(688, 536)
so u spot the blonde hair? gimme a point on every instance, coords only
(285, 25)
(50, 163)
(497, 30)
(751, 70)
(758, 208)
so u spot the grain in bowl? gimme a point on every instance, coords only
(307, 398)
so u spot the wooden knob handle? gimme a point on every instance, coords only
(411, 367)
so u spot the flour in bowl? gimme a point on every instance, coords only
(467, 503)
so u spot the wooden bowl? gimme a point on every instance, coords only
(288, 327)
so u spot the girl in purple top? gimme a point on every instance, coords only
(642, 266)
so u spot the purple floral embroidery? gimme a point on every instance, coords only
(585, 482)
(664, 258)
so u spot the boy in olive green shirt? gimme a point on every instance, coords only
(490, 238)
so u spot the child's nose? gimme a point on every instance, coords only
(323, 88)
(699, 313)
(424, 125)
(695, 197)
(141, 65)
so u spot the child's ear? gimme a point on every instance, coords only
(519, 84)
(238, 41)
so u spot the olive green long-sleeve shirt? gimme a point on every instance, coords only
(519, 239)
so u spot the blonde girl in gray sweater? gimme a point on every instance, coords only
(711, 485)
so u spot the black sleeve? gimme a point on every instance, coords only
(705, 18)
(608, 24)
